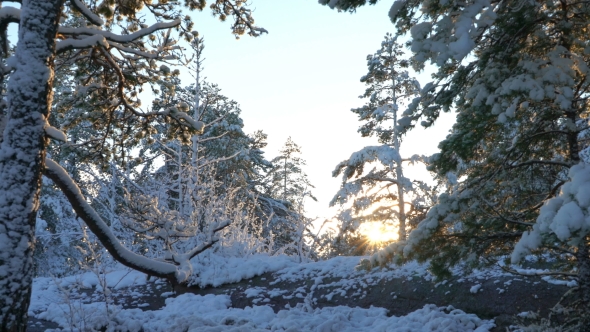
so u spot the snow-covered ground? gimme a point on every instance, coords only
(65, 302)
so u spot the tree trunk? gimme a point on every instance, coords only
(22, 156)
(582, 254)
(583, 258)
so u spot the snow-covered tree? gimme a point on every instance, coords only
(285, 189)
(287, 180)
(113, 51)
(516, 73)
(382, 194)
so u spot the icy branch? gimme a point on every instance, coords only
(219, 159)
(202, 140)
(383, 153)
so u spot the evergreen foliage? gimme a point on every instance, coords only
(108, 54)
(286, 180)
(382, 194)
(516, 74)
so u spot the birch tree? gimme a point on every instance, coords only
(116, 51)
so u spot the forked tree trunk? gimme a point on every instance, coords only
(22, 156)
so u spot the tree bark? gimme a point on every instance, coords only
(583, 258)
(22, 155)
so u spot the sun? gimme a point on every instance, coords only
(376, 232)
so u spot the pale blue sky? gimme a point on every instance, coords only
(302, 79)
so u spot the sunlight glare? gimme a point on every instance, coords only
(376, 232)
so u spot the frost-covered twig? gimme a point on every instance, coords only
(176, 272)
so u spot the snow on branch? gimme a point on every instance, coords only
(564, 218)
(55, 133)
(80, 6)
(9, 14)
(347, 190)
(219, 159)
(176, 271)
(88, 42)
(70, 31)
(199, 126)
(385, 154)
(104, 234)
(213, 238)
(143, 54)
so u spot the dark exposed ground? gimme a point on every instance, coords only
(521, 294)
(500, 297)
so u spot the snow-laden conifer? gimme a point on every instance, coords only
(382, 193)
(515, 72)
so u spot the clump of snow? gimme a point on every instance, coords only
(55, 133)
(397, 5)
(566, 216)
(474, 289)
(211, 269)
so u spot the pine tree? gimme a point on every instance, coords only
(286, 179)
(379, 195)
(113, 52)
(285, 188)
(515, 72)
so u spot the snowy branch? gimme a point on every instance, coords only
(206, 245)
(8, 15)
(177, 272)
(203, 140)
(88, 42)
(538, 273)
(80, 6)
(70, 31)
(137, 52)
(55, 133)
(123, 255)
(219, 159)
